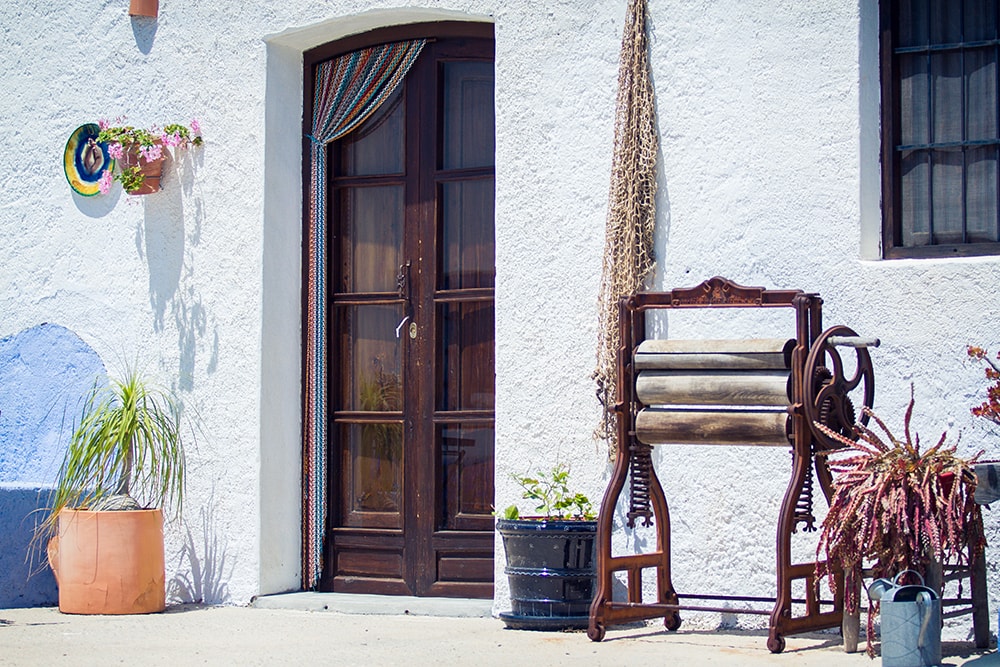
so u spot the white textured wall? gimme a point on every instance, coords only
(768, 116)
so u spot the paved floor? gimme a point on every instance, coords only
(262, 635)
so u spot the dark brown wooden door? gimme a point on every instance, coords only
(412, 335)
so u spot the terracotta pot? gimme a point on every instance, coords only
(144, 8)
(151, 170)
(109, 562)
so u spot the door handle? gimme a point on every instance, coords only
(403, 290)
(402, 322)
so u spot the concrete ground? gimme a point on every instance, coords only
(327, 629)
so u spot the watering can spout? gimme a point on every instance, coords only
(878, 588)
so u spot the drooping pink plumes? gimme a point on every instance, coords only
(895, 507)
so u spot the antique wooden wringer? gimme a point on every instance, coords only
(733, 392)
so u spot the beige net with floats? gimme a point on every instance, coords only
(628, 244)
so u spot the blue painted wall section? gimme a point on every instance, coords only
(45, 372)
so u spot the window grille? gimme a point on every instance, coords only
(941, 115)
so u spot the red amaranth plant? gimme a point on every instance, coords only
(896, 508)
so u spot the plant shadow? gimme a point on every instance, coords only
(203, 568)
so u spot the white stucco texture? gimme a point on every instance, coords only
(768, 124)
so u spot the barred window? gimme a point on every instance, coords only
(940, 122)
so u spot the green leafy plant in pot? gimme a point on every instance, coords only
(896, 507)
(124, 464)
(551, 566)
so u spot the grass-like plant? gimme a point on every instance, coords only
(896, 507)
(126, 443)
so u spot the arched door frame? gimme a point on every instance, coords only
(314, 324)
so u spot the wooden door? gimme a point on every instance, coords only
(412, 335)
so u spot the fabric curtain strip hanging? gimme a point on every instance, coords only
(348, 90)
(628, 244)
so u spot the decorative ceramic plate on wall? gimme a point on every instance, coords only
(85, 160)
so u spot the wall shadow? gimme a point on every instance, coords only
(144, 31)
(167, 239)
(25, 577)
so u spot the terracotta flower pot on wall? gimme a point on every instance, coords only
(109, 562)
(151, 170)
(144, 8)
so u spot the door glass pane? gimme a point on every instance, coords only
(466, 356)
(468, 115)
(370, 378)
(467, 254)
(373, 462)
(467, 471)
(376, 147)
(371, 223)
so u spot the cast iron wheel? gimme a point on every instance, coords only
(828, 391)
(672, 621)
(776, 644)
(596, 632)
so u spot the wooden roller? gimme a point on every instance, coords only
(728, 373)
(751, 354)
(768, 387)
(658, 426)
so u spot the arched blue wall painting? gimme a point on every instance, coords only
(45, 373)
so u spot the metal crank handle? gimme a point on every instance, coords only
(853, 341)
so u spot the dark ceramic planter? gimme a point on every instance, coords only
(551, 569)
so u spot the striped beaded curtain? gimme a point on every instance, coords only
(348, 89)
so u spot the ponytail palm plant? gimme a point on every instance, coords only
(125, 450)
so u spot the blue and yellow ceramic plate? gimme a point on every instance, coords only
(85, 160)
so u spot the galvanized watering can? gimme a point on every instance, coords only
(911, 622)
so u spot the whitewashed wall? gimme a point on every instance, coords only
(768, 116)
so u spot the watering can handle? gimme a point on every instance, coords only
(895, 580)
(923, 600)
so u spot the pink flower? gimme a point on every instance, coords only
(116, 151)
(102, 123)
(171, 140)
(104, 183)
(151, 153)
(195, 126)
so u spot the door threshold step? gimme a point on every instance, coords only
(392, 605)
